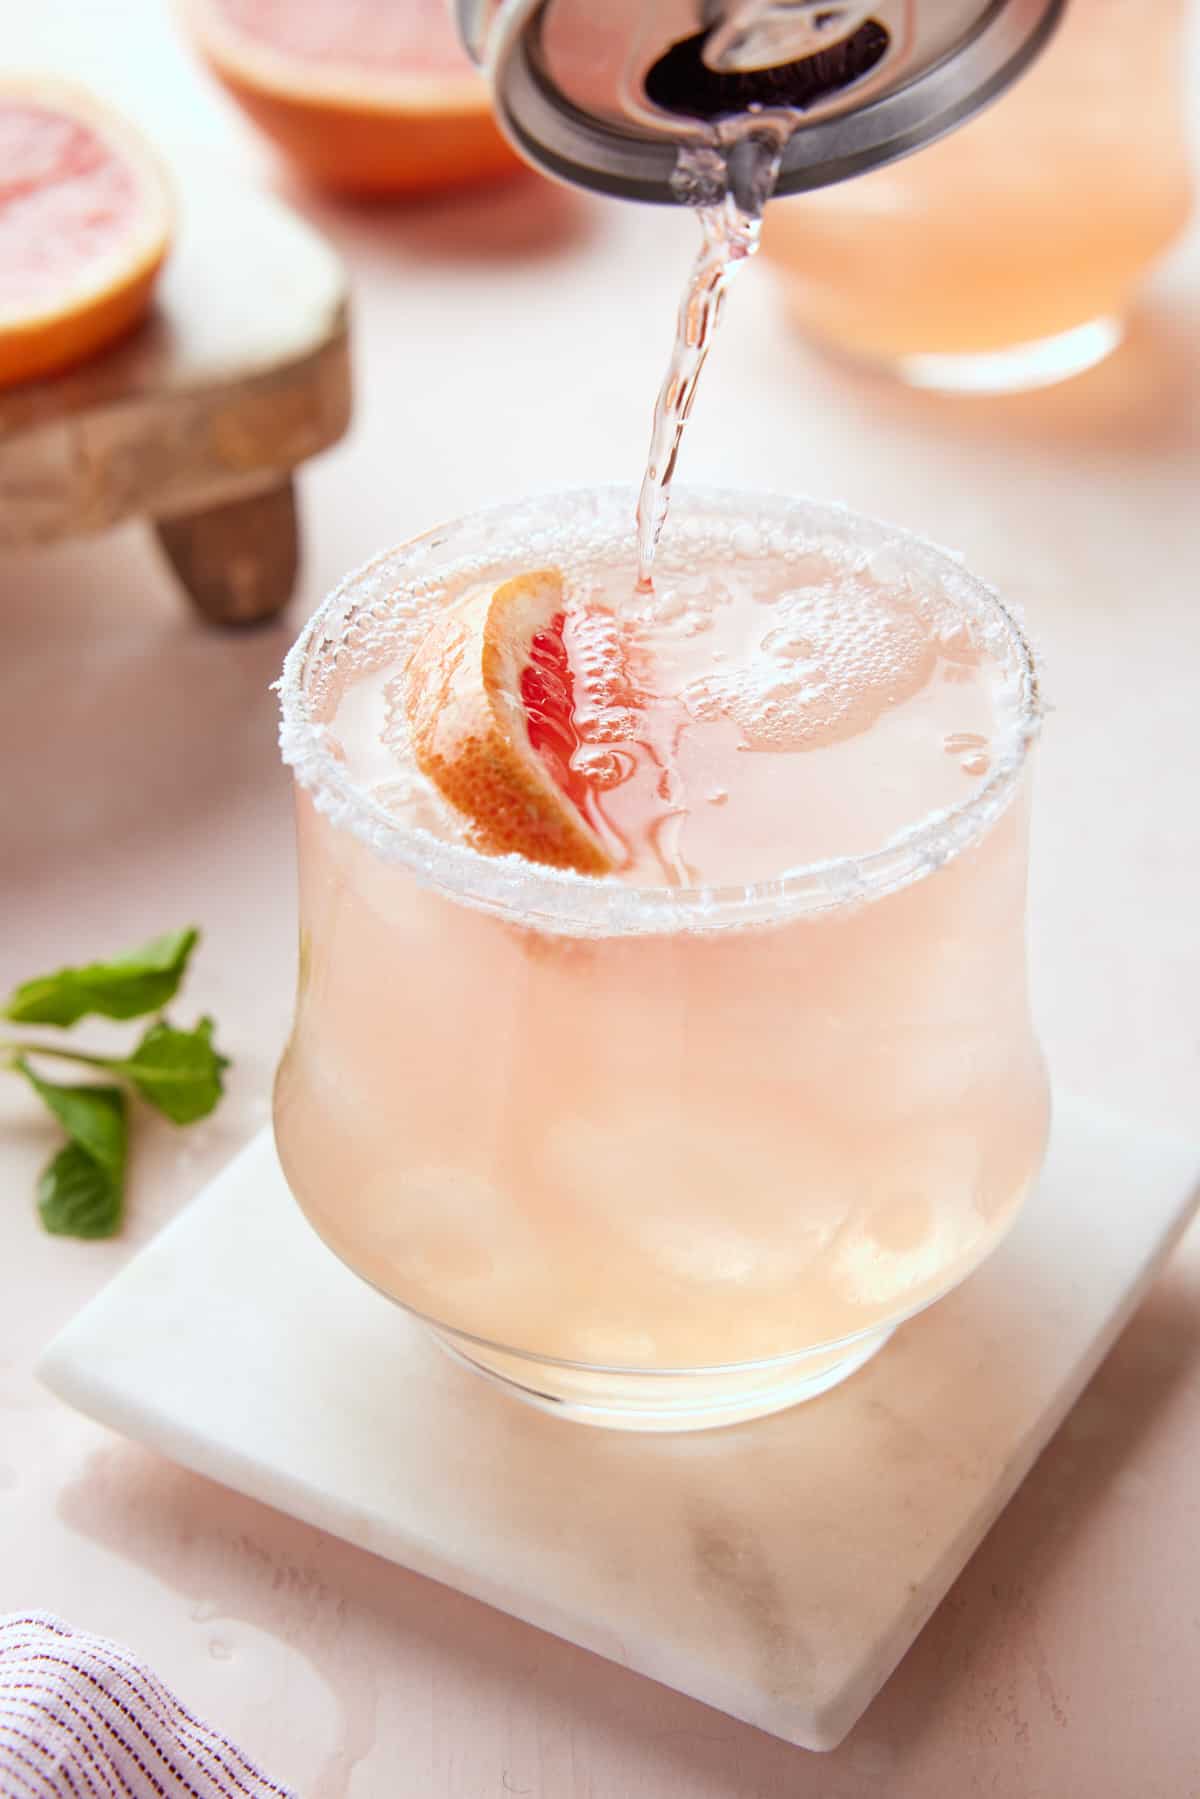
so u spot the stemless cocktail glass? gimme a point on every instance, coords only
(1008, 254)
(655, 1156)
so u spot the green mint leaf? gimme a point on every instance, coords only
(77, 1197)
(93, 1118)
(178, 1072)
(140, 981)
(81, 1191)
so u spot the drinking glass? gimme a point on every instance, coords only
(1008, 254)
(655, 1157)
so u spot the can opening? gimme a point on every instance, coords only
(681, 81)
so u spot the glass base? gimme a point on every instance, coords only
(672, 1400)
(1017, 369)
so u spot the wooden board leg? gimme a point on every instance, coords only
(237, 562)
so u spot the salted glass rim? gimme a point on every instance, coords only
(560, 899)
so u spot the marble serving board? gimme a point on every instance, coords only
(776, 1570)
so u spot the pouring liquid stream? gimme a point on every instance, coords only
(728, 184)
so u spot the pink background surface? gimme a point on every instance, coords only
(141, 790)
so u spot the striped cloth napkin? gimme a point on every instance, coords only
(81, 1718)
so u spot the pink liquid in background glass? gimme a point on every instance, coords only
(1037, 217)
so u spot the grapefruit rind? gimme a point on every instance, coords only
(470, 732)
(354, 129)
(106, 299)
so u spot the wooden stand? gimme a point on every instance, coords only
(198, 421)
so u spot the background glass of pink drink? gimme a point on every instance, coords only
(1008, 254)
(666, 1153)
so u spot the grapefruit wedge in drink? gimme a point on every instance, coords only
(490, 699)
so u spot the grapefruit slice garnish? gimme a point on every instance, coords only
(489, 694)
(85, 221)
(365, 96)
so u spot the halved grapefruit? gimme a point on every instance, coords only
(366, 96)
(85, 221)
(489, 697)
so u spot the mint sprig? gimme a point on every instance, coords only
(77, 1197)
(179, 1073)
(81, 1191)
(140, 981)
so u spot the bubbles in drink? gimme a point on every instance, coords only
(607, 724)
(756, 712)
(682, 607)
(602, 767)
(789, 644)
(601, 650)
(832, 659)
(746, 540)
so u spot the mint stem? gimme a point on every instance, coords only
(13, 1049)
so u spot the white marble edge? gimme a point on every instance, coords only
(838, 1719)
(65, 1371)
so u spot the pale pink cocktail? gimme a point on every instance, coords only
(681, 1142)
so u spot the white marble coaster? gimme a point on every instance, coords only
(777, 1570)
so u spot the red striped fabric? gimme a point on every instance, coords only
(82, 1718)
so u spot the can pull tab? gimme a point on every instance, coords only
(747, 66)
(762, 34)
